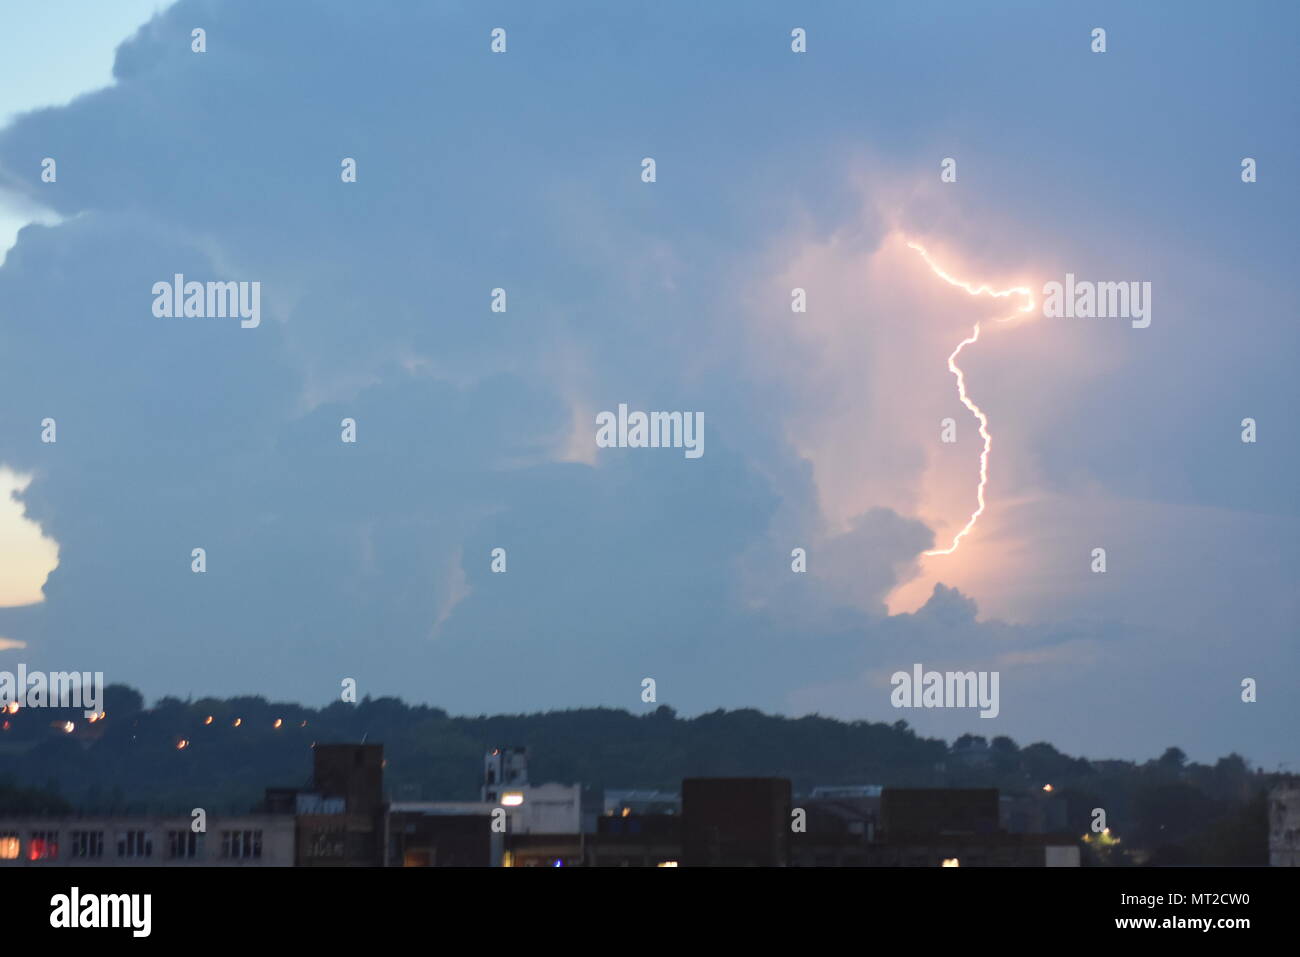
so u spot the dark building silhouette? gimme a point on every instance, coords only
(443, 840)
(341, 820)
(735, 822)
(911, 813)
(353, 772)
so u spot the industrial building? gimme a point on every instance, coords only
(344, 819)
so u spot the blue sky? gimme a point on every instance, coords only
(476, 429)
(52, 53)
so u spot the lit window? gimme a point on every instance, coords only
(43, 846)
(9, 846)
(512, 798)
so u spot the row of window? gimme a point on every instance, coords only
(88, 844)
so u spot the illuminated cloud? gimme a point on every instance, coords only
(476, 429)
(28, 556)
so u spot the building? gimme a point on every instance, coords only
(625, 801)
(636, 840)
(925, 827)
(1284, 825)
(254, 840)
(344, 819)
(516, 824)
(846, 791)
(960, 827)
(1031, 813)
(429, 838)
(908, 814)
(840, 826)
(340, 820)
(531, 808)
(505, 774)
(736, 822)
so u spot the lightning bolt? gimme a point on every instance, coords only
(975, 410)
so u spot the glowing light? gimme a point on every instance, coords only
(12, 707)
(68, 727)
(1047, 787)
(950, 862)
(512, 798)
(43, 847)
(278, 722)
(980, 290)
(208, 719)
(666, 864)
(238, 722)
(93, 718)
(182, 744)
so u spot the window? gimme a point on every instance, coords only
(43, 846)
(184, 845)
(134, 844)
(10, 846)
(241, 845)
(327, 843)
(87, 843)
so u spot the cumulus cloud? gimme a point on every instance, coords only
(475, 429)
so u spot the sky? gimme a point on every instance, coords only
(475, 429)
